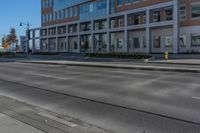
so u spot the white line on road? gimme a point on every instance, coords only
(48, 76)
(198, 98)
(70, 124)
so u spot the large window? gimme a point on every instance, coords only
(52, 31)
(85, 26)
(119, 2)
(128, 1)
(44, 45)
(93, 9)
(136, 42)
(73, 44)
(117, 22)
(137, 18)
(156, 41)
(72, 28)
(117, 42)
(182, 40)
(168, 13)
(196, 10)
(195, 39)
(182, 13)
(100, 44)
(75, 11)
(52, 44)
(43, 32)
(62, 30)
(62, 44)
(168, 41)
(100, 24)
(86, 43)
(156, 16)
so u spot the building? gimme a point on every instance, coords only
(23, 43)
(125, 26)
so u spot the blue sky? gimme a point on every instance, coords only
(14, 11)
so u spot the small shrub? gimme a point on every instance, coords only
(118, 55)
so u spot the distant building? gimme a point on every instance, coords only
(23, 43)
(124, 26)
(1, 49)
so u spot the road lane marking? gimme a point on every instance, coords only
(70, 124)
(198, 98)
(48, 76)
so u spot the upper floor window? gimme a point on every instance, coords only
(43, 32)
(62, 30)
(73, 28)
(195, 39)
(168, 14)
(85, 26)
(117, 22)
(75, 11)
(71, 12)
(182, 13)
(156, 16)
(128, 1)
(195, 10)
(100, 24)
(137, 18)
(119, 2)
(52, 31)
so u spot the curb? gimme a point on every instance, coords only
(174, 63)
(118, 66)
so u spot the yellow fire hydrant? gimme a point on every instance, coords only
(166, 55)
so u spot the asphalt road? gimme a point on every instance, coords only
(121, 101)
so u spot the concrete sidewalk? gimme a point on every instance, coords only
(119, 65)
(20, 117)
(10, 125)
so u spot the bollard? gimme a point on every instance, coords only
(166, 55)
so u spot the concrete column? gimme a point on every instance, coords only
(176, 27)
(126, 38)
(108, 36)
(33, 42)
(67, 44)
(148, 31)
(48, 41)
(57, 41)
(79, 44)
(92, 35)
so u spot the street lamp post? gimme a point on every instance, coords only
(27, 35)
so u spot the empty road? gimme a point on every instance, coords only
(120, 101)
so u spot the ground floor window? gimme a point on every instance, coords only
(43, 44)
(86, 43)
(52, 44)
(100, 43)
(144, 42)
(73, 44)
(136, 42)
(168, 41)
(195, 39)
(182, 40)
(117, 42)
(156, 41)
(62, 44)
